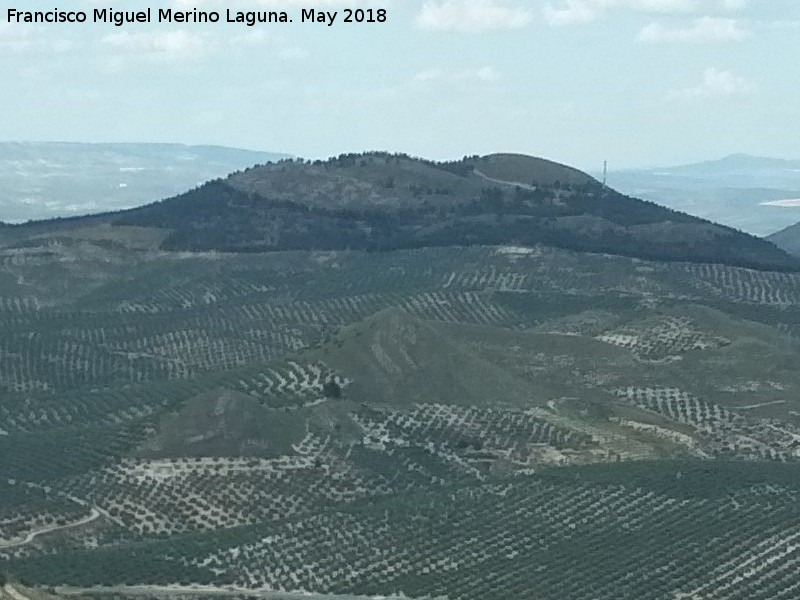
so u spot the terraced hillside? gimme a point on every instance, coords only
(463, 422)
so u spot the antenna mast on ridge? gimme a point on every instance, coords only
(605, 174)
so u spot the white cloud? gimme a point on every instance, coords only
(485, 74)
(573, 12)
(252, 37)
(278, 45)
(473, 16)
(19, 38)
(716, 84)
(169, 45)
(429, 75)
(702, 30)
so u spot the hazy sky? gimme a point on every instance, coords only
(639, 82)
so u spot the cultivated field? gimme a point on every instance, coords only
(482, 422)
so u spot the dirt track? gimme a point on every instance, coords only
(95, 514)
(523, 186)
(208, 590)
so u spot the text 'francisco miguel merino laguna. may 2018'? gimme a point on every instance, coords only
(119, 18)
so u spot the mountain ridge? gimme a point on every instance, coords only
(738, 190)
(736, 160)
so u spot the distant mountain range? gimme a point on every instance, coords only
(40, 180)
(379, 201)
(732, 190)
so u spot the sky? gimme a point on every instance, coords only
(635, 82)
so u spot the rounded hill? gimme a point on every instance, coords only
(378, 201)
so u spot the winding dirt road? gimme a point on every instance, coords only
(32, 535)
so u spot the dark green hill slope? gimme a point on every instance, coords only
(382, 202)
(378, 201)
